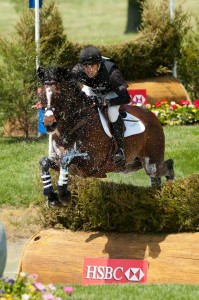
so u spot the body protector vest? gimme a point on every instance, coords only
(108, 80)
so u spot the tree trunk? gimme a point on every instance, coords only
(134, 16)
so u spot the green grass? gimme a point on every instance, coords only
(8, 17)
(20, 174)
(137, 292)
(88, 21)
(19, 170)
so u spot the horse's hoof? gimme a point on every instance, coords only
(156, 182)
(64, 194)
(66, 198)
(53, 201)
(170, 174)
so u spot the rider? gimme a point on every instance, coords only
(105, 80)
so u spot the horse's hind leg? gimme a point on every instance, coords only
(168, 169)
(48, 191)
(151, 169)
(156, 173)
(156, 181)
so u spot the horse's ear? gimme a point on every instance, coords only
(40, 73)
(64, 73)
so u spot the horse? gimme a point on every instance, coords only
(80, 138)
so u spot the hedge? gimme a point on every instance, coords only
(107, 206)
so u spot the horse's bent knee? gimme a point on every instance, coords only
(45, 164)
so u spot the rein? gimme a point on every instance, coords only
(77, 126)
(77, 113)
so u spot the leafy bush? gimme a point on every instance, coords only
(107, 206)
(159, 41)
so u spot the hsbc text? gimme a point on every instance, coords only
(102, 272)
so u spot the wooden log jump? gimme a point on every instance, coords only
(57, 255)
(160, 88)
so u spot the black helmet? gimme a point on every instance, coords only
(90, 55)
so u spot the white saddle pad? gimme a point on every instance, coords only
(133, 125)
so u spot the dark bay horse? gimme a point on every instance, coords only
(80, 144)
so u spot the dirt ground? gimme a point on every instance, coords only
(20, 223)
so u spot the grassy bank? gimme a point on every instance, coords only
(20, 174)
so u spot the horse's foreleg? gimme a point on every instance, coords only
(48, 191)
(166, 170)
(64, 194)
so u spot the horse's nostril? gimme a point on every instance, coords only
(50, 127)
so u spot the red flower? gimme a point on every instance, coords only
(157, 104)
(184, 102)
(173, 106)
(196, 103)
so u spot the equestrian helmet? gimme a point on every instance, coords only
(90, 55)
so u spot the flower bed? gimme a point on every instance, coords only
(26, 287)
(184, 113)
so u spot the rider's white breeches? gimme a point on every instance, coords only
(113, 113)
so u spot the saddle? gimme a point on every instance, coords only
(132, 125)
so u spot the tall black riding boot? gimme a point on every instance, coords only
(118, 133)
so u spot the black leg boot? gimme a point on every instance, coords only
(118, 133)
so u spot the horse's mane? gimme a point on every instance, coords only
(81, 101)
(75, 105)
(77, 111)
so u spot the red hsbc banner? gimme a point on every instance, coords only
(107, 270)
(138, 97)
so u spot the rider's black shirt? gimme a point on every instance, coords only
(108, 79)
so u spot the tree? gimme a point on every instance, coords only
(18, 79)
(188, 64)
(134, 15)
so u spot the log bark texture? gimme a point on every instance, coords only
(57, 256)
(160, 88)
